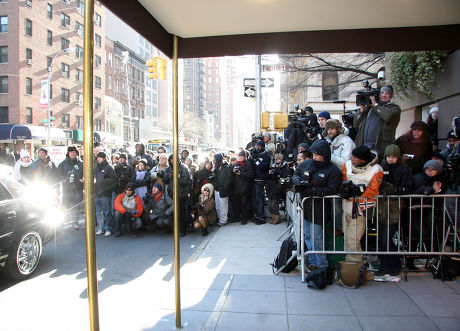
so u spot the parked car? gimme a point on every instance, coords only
(28, 218)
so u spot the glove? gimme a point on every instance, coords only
(428, 190)
(388, 188)
(302, 186)
(129, 213)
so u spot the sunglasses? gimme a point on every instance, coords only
(206, 189)
(129, 189)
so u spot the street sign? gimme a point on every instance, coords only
(45, 120)
(275, 67)
(52, 118)
(249, 92)
(264, 82)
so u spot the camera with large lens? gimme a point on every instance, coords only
(237, 168)
(349, 190)
(285, 182)
(160, 174)
(363, 97)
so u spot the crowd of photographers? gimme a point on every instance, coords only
(357, 158)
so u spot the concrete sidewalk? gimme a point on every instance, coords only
(229, 285)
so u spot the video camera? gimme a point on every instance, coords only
(363, 96)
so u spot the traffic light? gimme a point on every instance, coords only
(163, 65)
(264, 120)
(153, 67)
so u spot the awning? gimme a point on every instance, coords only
(14, 132)
(29, 132)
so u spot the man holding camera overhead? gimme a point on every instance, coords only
(377, 121)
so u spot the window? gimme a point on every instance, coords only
(97, 103)
(79, 98)
(97, 40)
(3, 54)
(29, 3)
(65, 95)
(330, 81)
(49, 11)
(97, 125)
(79, 52)
(65, 44)
(65, 120)
(28, 115)
(3, 84)
(109, 82)
(79, 75)
(28, 27)
(117, 86)
(66, 1)
(81, 7)
(28, 54)
(79, 122)
(3, 23)
(65, 70)
(65, 20)
(4, 114)
(97, 19)
(110, 59)
(48, 63)
(49, 37)
(79, 28)
(97, 61)
(51, 92)
(97, 82)
(28, 85)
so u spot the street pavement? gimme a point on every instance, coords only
(226, 284)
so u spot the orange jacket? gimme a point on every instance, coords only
(118, 205)
(374, 186)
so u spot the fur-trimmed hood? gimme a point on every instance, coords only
(210, 187)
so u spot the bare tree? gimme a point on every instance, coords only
(192, 126)
(352, 68)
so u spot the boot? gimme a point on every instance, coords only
(275, 219)
(204, 231)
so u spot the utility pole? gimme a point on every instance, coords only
(258, 92)
(130, 129)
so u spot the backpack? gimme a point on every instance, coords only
(285, 261)
(319, 278)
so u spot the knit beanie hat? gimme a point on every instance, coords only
(419, 125)
(261, 143)
(24, 153)
(242, 153)
(434, 165)
(363, 153)
(392, 150)
(42, 149)
(123, 156)
(387, 88)
(432, 110)
(158, 186)
(144, 161)
(218, 157)
(324, 114)
(102, 154)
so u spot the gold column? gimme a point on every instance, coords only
(176, 182)
(88, 165)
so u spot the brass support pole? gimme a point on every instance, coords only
(88, 171)
(176, 181)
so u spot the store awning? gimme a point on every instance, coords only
(14, 132)
(29, 132)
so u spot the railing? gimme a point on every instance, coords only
(422, 225)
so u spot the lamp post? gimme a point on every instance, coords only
(50, 69)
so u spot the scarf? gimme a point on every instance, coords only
(17, 168)
(158, 196)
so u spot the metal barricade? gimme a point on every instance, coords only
(422, 226)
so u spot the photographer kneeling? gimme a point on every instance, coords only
(317, 177)
(362, 177)
(158, 208)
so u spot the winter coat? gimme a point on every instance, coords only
(241, 184)
(71, 174)
(23, 172)
(341, 148)
(397, 180)
(272, 187)
(156, 208)
(389, 116)
(106, 179)
(141, 183)
(208, 210)
(184, 181)
(421, 150)
(46, 172)
(325, 179)
(124, 174)
(223, 181)
(203, 176)
(118, 205)
(371, 176)
(261, 166)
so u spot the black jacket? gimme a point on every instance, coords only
(241, 184)
(272, 187)
(106, 179)
(223, 181)
(124, 173)
(71, 173)
(184, 181)
(397, 179)
(324, 179)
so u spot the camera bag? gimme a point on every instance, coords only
(350, 274)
